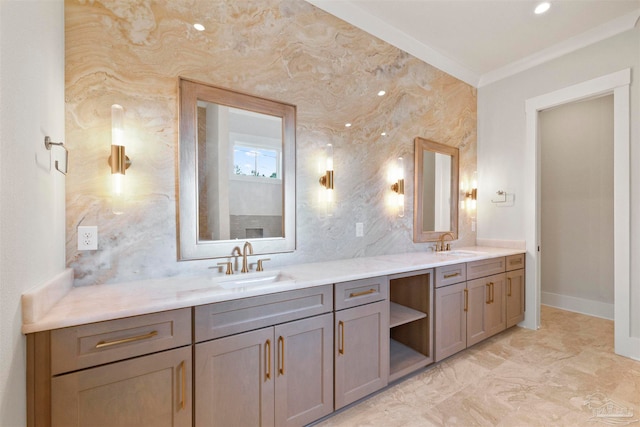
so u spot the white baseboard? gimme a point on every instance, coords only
(579, 305)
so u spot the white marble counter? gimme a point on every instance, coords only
(57, 304)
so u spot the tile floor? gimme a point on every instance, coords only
(557, 376)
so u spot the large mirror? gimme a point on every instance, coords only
(237, 173)
(435, 191)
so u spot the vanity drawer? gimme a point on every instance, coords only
(94, 344)
(485, 267)
(359, 292)
(232, 317)
(450, 274)
(515, 262)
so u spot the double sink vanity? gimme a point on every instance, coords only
(282, 348)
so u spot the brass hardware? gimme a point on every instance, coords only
(359, 294)
(449, 276)
(509, 293)
(247, 245)
(398, 187)
(260, 266)
(118, 160)
(473, 194)
(441, 241)
(267, 350)
(491, 289)
(326, 180)
(229, 269)
(103, 344)
(515, 261)
(183, 402)
(341, 333)
(488, 299)
(281, 358)
(466, 300)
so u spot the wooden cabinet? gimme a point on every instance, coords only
(280, 375)
(515, 290)
(361, 347)
(450, 320)
(410, 322)
(486, 308)
(125, 372)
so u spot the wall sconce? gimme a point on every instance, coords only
(118, 160)
(398, 186)
(326, 180)
(471, 196)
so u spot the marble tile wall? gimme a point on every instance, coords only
(132, 52)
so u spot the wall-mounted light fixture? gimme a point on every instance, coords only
(398, 186)
(471, 195)
(326, 180)
(118, 160)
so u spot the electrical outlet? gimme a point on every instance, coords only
(87, 237)
(359, 229)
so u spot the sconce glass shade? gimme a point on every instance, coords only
(118, 160)
(398, 186)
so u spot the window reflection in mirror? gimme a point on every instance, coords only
(435, 191)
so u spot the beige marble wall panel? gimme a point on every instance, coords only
(132, 53)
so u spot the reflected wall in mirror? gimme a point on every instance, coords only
(237, 173)
(435, 191)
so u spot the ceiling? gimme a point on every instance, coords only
(482, 41)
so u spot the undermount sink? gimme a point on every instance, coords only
(461, 253)
(246, 280)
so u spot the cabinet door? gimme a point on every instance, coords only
(303, 370)
(496, 310)
(234, 380)
(479, 292)
(515, 297)
(361, 351)
(451, 320)
(152, 391)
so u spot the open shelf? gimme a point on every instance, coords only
(404, 360)
(400, 314)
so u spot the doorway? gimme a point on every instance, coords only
(618, 84)
(576, 168)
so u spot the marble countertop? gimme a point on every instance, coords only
(58, 304)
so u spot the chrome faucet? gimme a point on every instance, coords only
(442, 246)
(245, 267)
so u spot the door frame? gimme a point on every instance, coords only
(618, 84)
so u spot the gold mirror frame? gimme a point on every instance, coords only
(421, 145)
(189, 245)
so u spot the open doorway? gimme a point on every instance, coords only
(576, 200)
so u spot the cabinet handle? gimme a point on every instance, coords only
(267, 351)
(359, 294)
(492, 292)
(466, 300)
(449, 276)
(183, 369)
(103, 344)
(341, 333)
(281, 342)
(509, 293)
(488, 289)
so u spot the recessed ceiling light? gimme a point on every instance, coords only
(381, 93)
(347, 125)
(542, 8)
(198, 27)
(383, 134)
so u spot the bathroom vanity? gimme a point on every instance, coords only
(286, 352)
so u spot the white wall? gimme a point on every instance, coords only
(502, 135)
(32, 210)
(576, 142)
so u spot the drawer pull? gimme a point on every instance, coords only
(359, 294)
(341, 332)
(449, 276)
(103, 344)
(466, 300)
(515, 261)
(488, 299)
(267, 350)
(281, 342)
(183, 368)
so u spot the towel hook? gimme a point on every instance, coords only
(48, 143)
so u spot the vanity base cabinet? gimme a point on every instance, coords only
(153, 391)
(279, 375)
(362, 352)
(515, 297)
